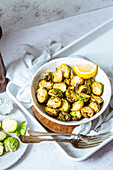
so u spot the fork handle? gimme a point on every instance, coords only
(33, 139)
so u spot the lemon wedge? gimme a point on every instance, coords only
(85, 71)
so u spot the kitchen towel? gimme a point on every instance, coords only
(20, 73)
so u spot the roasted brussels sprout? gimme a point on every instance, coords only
(54, 102)
(72, 74)
(82, 89)
(76, 115)
(95, 106)
(65, 70)
(97, 88)
(83, 97)
(2, 136)
(48, 76)
(65, 107)
(60, 86)
(55, 92)
(11, 144)
(77, 105)
(42, 95)
(57, 76)
(67, 81)
(52, 112)
(97, 99)
(87, 112)
(10, 125)
(64, 116)
(71, 96)
(43, 83)
(1, 149)
(76, 80)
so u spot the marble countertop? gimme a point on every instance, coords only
(46, 155)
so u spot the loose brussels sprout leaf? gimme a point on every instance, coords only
(0, 125)
(89, 82)
(76, 80)
(95, 106)
(67, 81)
(71, 96)
(60, 86)
(97, 88)
(52, 112)
(82, 89)
(77, 105)
(83, 97)
(42, 95)
(44, 84)
(48, 76)
(65, 107)
(71, 87)
(97, 99)
(64, 116)
(2, 136)
(55, 92)
(72, 74)
(1, 149)
(10, 125)
(11, 144)
(21, 129)
(65, 70)
(54, 102)
(76, 115)
(57, 77)
(87, 112)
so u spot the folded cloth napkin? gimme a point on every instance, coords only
(20, 72)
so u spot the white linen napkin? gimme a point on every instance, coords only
(20, 73)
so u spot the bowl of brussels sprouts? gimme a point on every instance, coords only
(63, 97)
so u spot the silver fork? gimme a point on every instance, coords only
(95, 138)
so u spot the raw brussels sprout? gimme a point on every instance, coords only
(76, 80)
(72, 74)
(67, 81)
(97, 99)
(95, 106)
(64, 116)
(54, 102)
(57, 76)
(65, 70)
(55, 92)
(76, 115)
(87, 112)
(10, 125)
(44, 84)
(77, 105)
(42, 95)
(65, 107)
(2, 136)
(71, 96)
(52, 112)
(21, 129)
(48, 76)
(1, 149)
(97, 88)
(84, 97)
(11, 144)
(60, 86)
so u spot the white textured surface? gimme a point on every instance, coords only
(21, 14)
(45, 155)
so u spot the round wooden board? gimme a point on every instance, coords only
(54, 127)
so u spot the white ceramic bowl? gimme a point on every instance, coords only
(51, 67)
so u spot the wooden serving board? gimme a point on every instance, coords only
(54, 127)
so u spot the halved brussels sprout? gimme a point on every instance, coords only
(48, 76)
(65, 107)
(54, 102)
(10, 125)
(44, 84)
(52, 112)
(60, 86)
(77, 105)
(76, 115)
(71, 96)
(64, 116)
(76, 80)
(67, 81)
(1, 149)
(65, 70)
(83, 97)
(42, 95)
(95, 106)
(97, 99)
(82, 89)
(55, 92)
(2, 136)
(11, 144)
(87, 112)
(72, 74)
(97, 88)
(57, 76)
